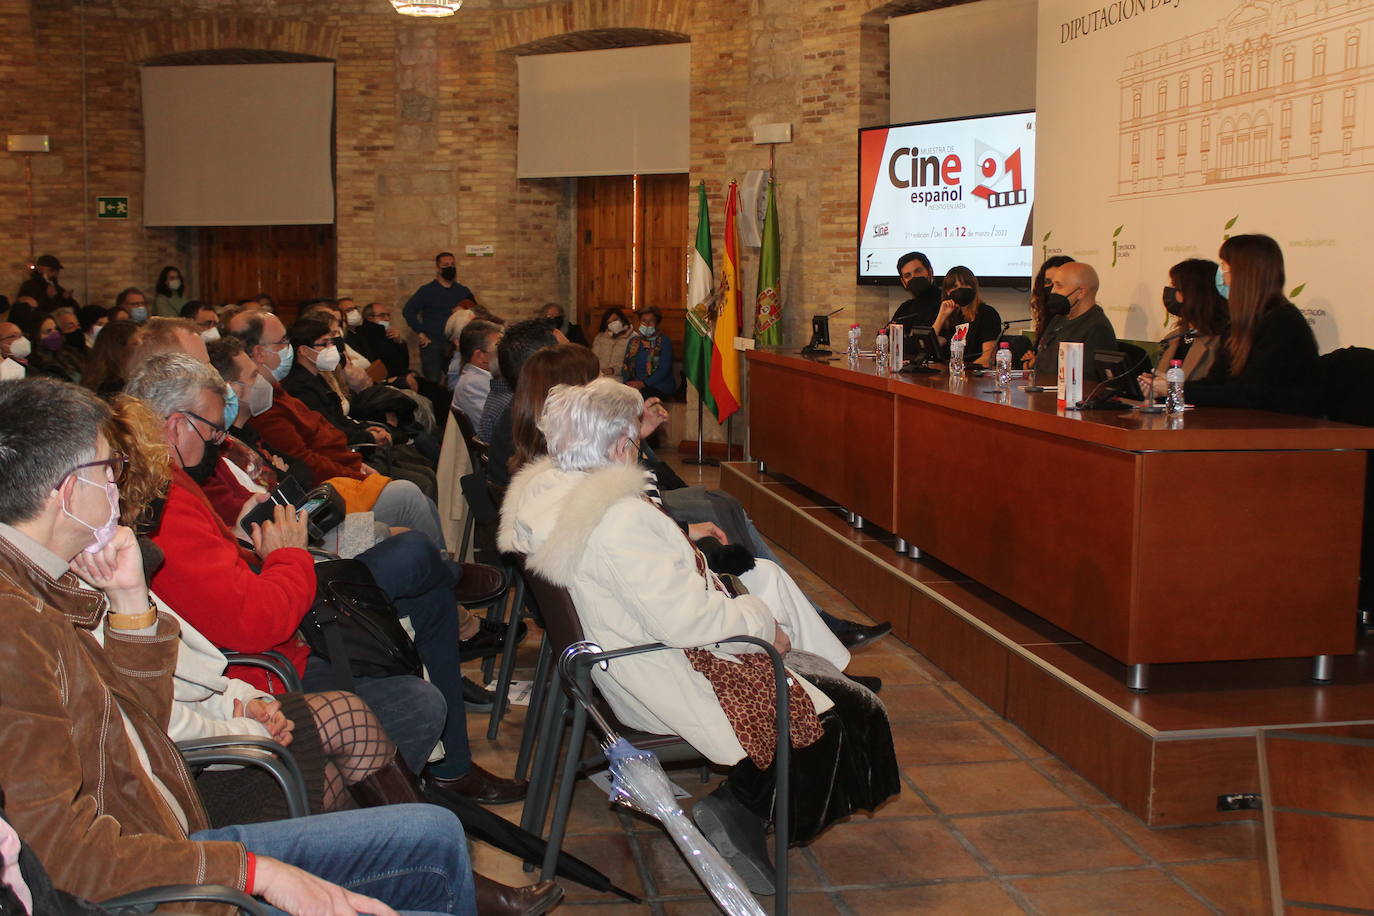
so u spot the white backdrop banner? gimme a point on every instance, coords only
(1166, 125)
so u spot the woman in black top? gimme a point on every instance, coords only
(963, 304)
(1270, 359)
(1198, 334)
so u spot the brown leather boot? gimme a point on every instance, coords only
(499, 900)
(393, 784)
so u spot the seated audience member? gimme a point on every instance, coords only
(287, 426)
(1270, 358)
(515, 346)
(555, 318)
(378, 340)
(963, 304)
(350, 313)
(1200, 318)
(612, 339)
(1075, 317)
(354, 365)
(120, 313)
(918, 278)
(256, 609)
(1040, 291)
(171, 293)
(43, 288)
(477, 347)
(24, 311)
(132, 300)
(80, 717)
(205, 318)
(648, 366)
(111, 353)
(50, 354)
(169, 335)
(313, 382)
(453, 333)
(70, 328)
(265, 303)
(15, 349)
(92, 319)
(583, 519)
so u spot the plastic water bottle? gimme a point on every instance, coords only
(854, 332)
(881, 347)
(956, 357)
(1004, 365)
(1173, 400)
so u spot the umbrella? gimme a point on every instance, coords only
(492, 828)
(638, 781)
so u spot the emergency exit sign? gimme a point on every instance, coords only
(112, 208)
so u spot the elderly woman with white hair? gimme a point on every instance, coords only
(585, 518)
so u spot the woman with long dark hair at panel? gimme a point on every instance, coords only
(1270, 357)
(963, 304)
(1198, 333)
(1040, 291)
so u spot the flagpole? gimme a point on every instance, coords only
(701, 460)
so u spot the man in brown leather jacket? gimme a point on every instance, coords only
(90, 777)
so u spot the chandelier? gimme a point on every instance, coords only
(431, 8)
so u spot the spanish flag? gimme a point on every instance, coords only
(725, 386)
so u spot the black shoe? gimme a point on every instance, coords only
(489, 640)
(874, 684)
(475, 698)
(738, 836)
(857, 636)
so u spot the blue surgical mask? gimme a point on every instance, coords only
(139, 313)
(285, 359)
(1222, 286)
(648, 330)
(231, 406)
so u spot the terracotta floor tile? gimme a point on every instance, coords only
(894, 668)
(947, 742)
(971, 788)
(611, 855)
(917, 703)
(1051, 841)
(800, 904)
(1146, 891)
(1068, 779)
(906, 804)
(1018, 739)
(984, 898)
(1232, 887)
(674, 878)
(977, 709)
(881, 852)
(1239, 840)
(591, 812)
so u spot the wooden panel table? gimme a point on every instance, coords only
(1228, 534)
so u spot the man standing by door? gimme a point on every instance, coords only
(428, 310)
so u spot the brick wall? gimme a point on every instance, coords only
(426, 122)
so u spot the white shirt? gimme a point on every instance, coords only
(470, 394)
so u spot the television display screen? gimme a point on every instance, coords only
(960, 190)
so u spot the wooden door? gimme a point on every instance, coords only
(663, 251)
(605, 247)
(289, 263)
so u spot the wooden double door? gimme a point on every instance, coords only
(632, 248)
(289, 263)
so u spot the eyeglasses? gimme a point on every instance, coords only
(217, 432)
(114, 466)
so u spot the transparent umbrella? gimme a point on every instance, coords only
(638, 781)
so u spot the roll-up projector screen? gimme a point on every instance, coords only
(619, 112)
(238, 145)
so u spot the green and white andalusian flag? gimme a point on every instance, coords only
(696, 358)
(768, 306)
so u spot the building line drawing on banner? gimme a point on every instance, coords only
(1277, 90)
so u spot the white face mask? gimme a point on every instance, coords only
(174, 283)
(355, 318)
(210, 335)
(259, 396)
(382, 324)
(328, 359)
(106, 532)
(21, 348)
(615, 325)
(95, 331)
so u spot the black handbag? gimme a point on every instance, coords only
(353, 625)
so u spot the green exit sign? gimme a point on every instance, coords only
(112, 208)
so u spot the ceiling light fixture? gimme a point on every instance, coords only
(427, 8)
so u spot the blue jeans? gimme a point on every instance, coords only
(414, 858)
(420, 582)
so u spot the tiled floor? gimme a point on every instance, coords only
(988, 822)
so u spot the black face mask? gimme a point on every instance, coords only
(1171, 303)
(917, 285)
(962, 297)
(76, 339)
(448, 273)
(1057, 304)
(206, 468)
(554, 322)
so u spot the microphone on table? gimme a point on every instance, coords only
(1008, 324)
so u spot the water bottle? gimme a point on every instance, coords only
(854, 332)
(881, 347)
(1173, 400)
(1004, 365)
(956, 357)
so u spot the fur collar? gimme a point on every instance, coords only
(577, 506)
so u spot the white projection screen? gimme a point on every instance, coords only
(238, 145)
(618, 112)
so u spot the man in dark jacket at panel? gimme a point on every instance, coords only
(918, 278)
(428, 311)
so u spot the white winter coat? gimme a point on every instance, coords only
(633, 578)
